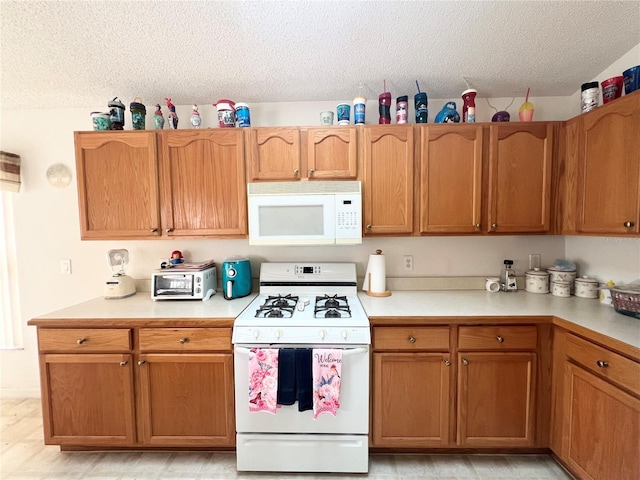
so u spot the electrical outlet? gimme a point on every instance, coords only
(408, 263)
(65, 266)
(535, 261)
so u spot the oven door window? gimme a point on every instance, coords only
(173, 284)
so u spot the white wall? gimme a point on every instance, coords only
(47, 224)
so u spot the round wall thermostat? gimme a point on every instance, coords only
(59, 175)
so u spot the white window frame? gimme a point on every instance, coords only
(11, 326)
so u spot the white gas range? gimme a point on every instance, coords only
(305, 306)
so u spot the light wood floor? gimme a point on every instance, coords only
(25, 457)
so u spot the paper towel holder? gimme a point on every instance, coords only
(385, 293)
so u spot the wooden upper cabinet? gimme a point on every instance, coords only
(450, 178)
(332, 153)
(117, 184)
(274, 154)
(520, 163)
(609, 168)
(388, 158)
(202, 180)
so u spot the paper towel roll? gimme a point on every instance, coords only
(376, 274)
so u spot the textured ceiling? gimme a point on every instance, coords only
(83, 53)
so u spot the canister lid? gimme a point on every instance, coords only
(586, 280)
(137, 106)
(588, 85)
(537, 272)
(241, 105)
(560, 270)
(116, 103)
(403, 98)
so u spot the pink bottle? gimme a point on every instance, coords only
(469, 99)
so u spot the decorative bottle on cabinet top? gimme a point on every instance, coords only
(195, 117)
(173, 117)
(158, 119)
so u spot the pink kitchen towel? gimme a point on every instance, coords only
(263, 379)
(327, 370)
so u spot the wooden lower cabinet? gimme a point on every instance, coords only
(88, 399)
(137, 387)
(601, 428)
(496, 399)
(411, 399)
(186, 399)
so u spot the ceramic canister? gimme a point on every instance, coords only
(537, 281)
(561, 289)
(558, 275)
(586, 287)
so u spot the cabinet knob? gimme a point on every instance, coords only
(154, 230)
(141, 362)
(465, 361)
(184, 340)
(412, 339)
(477, 225)
(123, 363)
(80, 341)
(369, 227)
(296, 171)
(500, 339)
(494, 226)
(169, 230)
(602, 363)
(447, 362)
(311, 171)
(629, 224)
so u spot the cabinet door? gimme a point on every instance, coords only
(332, 153)
(450, 179)
(609, 173)
(187, 399)
(388, 179)
(117, 184)
(496, 397)
(274, 154)
(520, 163)
(601, 428)
(202, 183)
(88, 399)
(411, 399)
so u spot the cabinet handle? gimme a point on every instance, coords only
(169, 230)
(412, 339)
(123, 363)
(141, 362)
(602, 363)
(80, 341)
(629, 224)
(494, 226)
(369, 227)
(465, 361)
(499, 339)
(296, 171)
(311, 171)
(447, 362)
(154, 230)
(184, 340)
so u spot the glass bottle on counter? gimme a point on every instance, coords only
(508, 277)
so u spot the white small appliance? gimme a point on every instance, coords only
(184, 283)
(305, 213)
(120, 285)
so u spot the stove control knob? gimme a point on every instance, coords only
(344, 334)
(277, 334)
(323, 333)
(256, 334)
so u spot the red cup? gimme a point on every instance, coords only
(611, 88)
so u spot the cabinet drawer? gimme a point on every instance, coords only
(185, 339)
(498, 337)
(604, 362)
(84, 339)
(411, 338)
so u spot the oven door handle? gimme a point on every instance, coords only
(345, 351)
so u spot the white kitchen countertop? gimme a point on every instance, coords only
(587, 313)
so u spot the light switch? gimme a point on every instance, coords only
(65, 266)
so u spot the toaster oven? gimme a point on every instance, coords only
(183, 285)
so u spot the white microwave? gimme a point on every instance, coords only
(305, 213)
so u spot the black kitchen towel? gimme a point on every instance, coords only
(286, 376)
(304, 379)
